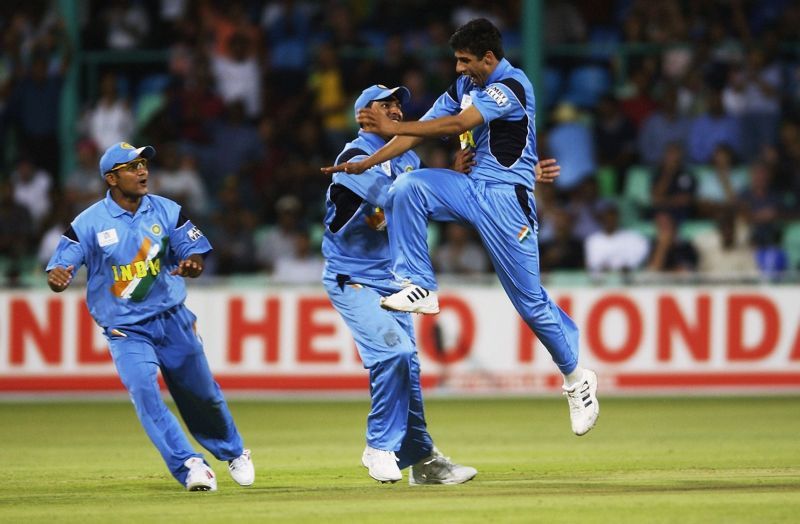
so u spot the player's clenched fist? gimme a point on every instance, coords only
(59, 278)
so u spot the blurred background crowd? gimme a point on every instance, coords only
(676, 125)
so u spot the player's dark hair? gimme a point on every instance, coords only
(476, 37)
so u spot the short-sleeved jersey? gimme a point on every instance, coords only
(128, 257)
(355, 242)
(505, 144)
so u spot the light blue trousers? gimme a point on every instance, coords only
(385, 342)
(168, 342)
(505, 217)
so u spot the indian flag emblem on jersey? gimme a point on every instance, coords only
(524, 233)
(133, 281)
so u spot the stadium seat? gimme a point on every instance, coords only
(607, 181)
(553, 82)
(638, 185)
(586, 84)
(689, 229)
(791, 243)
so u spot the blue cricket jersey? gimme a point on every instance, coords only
(505, 144)
(355, 242)
(128, 257)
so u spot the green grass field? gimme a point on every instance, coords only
(656, 460)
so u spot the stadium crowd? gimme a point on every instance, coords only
(676, 124)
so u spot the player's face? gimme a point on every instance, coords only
(476, 68)
(391, 107)
(130, 179)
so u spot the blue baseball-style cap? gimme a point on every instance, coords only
(379, 92)
(122, 153)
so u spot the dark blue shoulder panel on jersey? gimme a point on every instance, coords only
(70, 234)
(346, 202)
(182, 219)
(350, 153)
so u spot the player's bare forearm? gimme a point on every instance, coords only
(191, 267)
(59, 278)
(373, 121)
(394, 147)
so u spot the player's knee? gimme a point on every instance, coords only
(410, 182)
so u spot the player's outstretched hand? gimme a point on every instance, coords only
(59, 278)
(464, 160)
(188, 268)
(547, 170)
(351, 168)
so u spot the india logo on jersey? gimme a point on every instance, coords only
(134, 280)
(524, 233)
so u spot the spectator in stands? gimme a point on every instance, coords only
(17, 233)
(280, 240)
(326, 83)
(235, 147)
(711, 129)
(34, 106)
(719, 185)
(176, 177)
(754, 92)
(613, 249)
(725, 251)
(301, 265)
(563, 251)
(614, 136)
(674, 186)
(32, 186)
(636, 101)
(237, 75)
(760, 205)
(127, 25)
(772, 260)
(570, 140)
(234, 227)
(459, 253)
(669, 252)
(83, 187)
(111, 120)
(288, 29)
(584, 207)
(661, 128)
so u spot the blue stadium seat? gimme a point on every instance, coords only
(586, 84)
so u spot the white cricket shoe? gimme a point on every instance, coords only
(200, 477)
(412, 299)
(242, 469)
(438, 469)
(382, 465)
(583, 406)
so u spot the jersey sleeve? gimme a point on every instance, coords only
(372, 185)
(187, 239)
(497, 101)
(447, 104)
(69, 251)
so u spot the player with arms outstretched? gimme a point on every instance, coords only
(137, 248)
(491, 106)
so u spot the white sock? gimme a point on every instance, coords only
(570, 379)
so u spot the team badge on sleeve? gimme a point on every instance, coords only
(497, 95)
(194, 234)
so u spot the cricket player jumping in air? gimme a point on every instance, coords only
(491, 106)
(137, 248)
(357, 276)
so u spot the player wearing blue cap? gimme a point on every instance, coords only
(357, 275)
(137, 248)
(491, 106)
